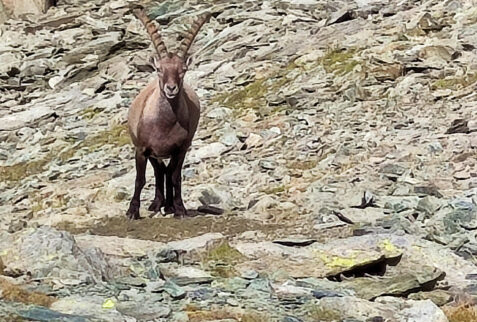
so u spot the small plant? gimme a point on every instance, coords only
(339, 61)
(220, 260)
(224, 253)
(14, 293)
(461, 313)
(455, 83)
(116, 136)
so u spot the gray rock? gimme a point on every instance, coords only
(174, 290)
(46, 252)
(29, 117)
(44, 314)
(185, 275)
(429, 205)
(212, 150)
(145, 310)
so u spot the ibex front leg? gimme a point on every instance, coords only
(174, 185)
(159, 173)
(141, 162)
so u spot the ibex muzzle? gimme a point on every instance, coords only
(162, 122)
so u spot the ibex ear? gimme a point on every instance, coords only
(188, 61)
(154, 61)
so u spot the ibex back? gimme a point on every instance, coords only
(162, 122)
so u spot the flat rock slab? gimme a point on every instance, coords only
(18, 120)
(48, 253)
(91, 306)
(120, 247)
(341, 308)
(195, 243)
(185, 275)
(145, 310)
(130, 247)
(420, 260)
(316, 260)
(398, 281)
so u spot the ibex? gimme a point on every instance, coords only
(162, 121)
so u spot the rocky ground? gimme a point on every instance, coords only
(339, 138)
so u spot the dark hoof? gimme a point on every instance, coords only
(156, 206)
(169, 210)
(180, 213)
(133, 213)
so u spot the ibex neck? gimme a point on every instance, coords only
(174, 102)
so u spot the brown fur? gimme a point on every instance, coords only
(162, 121)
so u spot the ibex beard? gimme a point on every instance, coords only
(162, 121)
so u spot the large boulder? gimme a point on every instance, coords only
(19, 7)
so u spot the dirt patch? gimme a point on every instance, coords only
(169, 229)
(15, 293)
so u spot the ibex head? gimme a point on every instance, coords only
(171, 68)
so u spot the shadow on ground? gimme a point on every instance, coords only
(168, 229)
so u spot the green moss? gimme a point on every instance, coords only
(38, 204)
(317, 313)
(274, 190)
(252, 316)
(117, 136)
(303, 165)
(91, 112)
(455, 82)
(252, 96)
(22, 170)
(224, 253)
(339, 61)
(220, 260)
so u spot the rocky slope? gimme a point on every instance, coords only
(339, 139)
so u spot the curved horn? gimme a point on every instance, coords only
(152, 30)
(190, 35)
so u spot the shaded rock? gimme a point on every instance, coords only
(438, 297)
(429, 205)
(44, 314)
(393, 170)
(210, 210)
(398, 281)
(133, 281)
(174, 290)
(458, 126)
(295, 241)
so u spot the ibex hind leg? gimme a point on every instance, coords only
(169, 206)
(176, 177)
(159, 174)
(141, 162)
